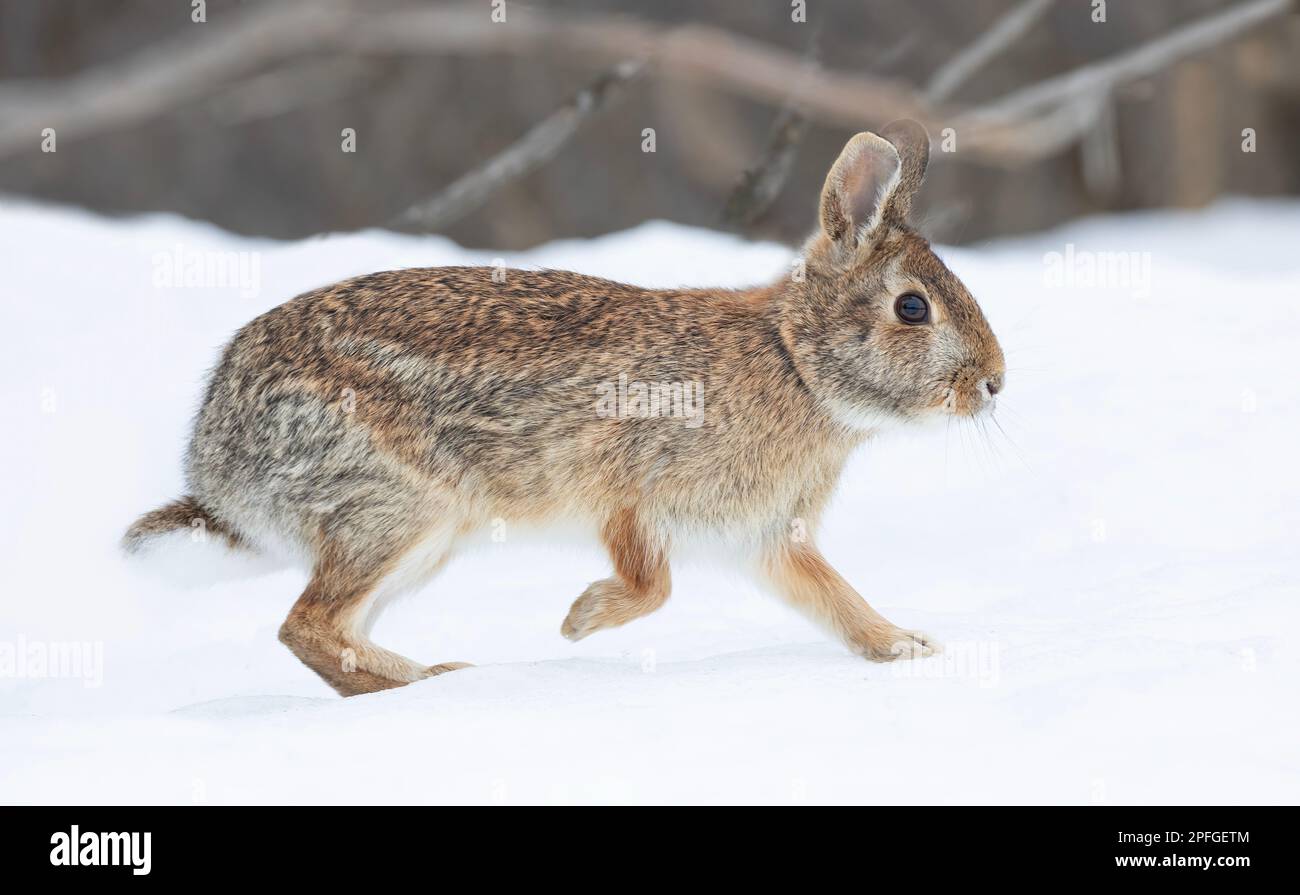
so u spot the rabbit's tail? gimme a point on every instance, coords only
(180, 515)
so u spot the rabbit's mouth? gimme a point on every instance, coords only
(971, 392)
(969, 402)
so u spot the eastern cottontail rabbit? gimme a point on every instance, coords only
(372, 425)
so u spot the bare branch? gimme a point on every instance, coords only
(1025, 124)
(1040, 137)
(697, 53)
(760, 184)
(166, 75)
(1004, 32)
(537, 146)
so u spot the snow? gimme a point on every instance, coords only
(1114, 577)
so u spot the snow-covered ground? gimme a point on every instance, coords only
(1115, 577)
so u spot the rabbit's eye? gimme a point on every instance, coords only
(912, 308)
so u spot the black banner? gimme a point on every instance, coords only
(877, 843)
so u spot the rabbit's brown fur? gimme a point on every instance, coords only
(372, 425)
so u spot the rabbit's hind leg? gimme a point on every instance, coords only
(328, 626)
(640, 584)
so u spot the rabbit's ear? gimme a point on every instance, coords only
(913, 145)
(858, 189)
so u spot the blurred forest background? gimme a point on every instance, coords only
(238, 119)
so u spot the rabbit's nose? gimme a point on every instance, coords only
(992, 385)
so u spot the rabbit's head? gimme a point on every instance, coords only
(879, 328)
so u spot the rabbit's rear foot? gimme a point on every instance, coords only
(435, 670)
(327, 627)
(350, 664)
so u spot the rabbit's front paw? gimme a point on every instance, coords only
(897, 643)
(608, 604)
(593, 610)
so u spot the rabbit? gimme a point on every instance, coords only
(373, 425)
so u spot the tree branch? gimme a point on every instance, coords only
(168, 74)
(1004, 32)
(1039, 119)
(536, 147)
(760, 184)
